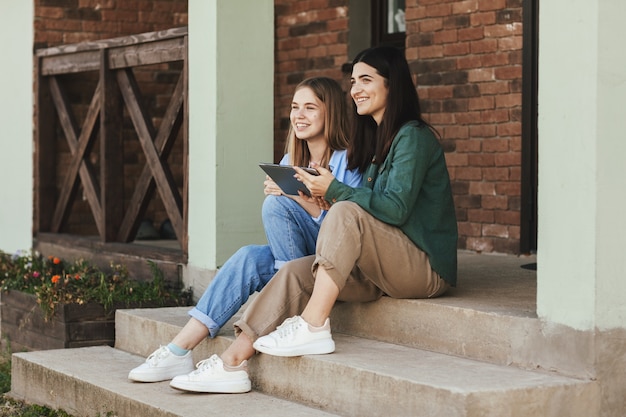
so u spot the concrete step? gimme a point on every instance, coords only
(489, 317)
(479, 351)
(92, 382)
(362, 378)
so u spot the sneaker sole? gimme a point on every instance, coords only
(157, 377)
(223, 387)
(321, 347)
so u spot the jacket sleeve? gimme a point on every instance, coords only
(389, 191)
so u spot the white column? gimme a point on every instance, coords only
(231, 125)
(611, 169)
(582, 167)
(16, 125)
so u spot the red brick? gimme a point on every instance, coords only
(435, 51)
(466, 6)
(494, 87)
(495, 202)
(509, 73)
(491, 4)
(510, 129)
(480, 74)
(439, 10)
(456, 132)
(431, 24)
(49, 12)
(440, 92)
(467, 201)
(482, 188)
(483, 19)
(510, 44)
(509, 188)
(456, 159)
(97, 4)
(339, 24)
(469, 229)
(484, 46)
(62, 25)
(456, 49)
(494, 116)
(481, 160)
(120, 16)
(497, 59)
(467, 118)
(508, 159)
(469, 173)
(509, 100)
(481, 103)
(471, 34)
(480, 215)
(509, 31)
(482, 131)
(496, 174)
(440, 119)
(445, 36)
(507, 217)
(495, 230)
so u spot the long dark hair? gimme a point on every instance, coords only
(371, 142)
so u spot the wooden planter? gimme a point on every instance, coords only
(73, 325)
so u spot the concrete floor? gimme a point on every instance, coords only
(495, 283)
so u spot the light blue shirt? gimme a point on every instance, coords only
(339, 167)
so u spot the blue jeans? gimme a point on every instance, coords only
(290, 230)
(291, 233)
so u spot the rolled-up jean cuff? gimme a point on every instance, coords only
(206, 320)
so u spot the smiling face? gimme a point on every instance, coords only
(369, 91)
(307, 115)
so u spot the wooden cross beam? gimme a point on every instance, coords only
(80, 146)
(156, 148)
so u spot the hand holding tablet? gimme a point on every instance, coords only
(283, 176)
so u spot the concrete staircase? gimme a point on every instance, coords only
(479, 351)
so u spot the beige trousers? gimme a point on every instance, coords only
(364, 256)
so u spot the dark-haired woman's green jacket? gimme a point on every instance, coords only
(411, 190)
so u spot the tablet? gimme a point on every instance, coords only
(283, 176)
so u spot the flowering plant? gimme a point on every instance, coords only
(56, 282)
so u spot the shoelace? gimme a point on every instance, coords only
(157, 355)
(206, 365)
(288, 327)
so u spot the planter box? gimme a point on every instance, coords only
(73, 325)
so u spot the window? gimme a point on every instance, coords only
(388, 24)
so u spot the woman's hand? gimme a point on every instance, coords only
(317, 184)
(270, 187)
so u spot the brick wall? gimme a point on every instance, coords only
(311, 40)
(59, 22)
(467, 56)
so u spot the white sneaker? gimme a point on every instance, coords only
(162, 365)
(211, 376)
(296, 337)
